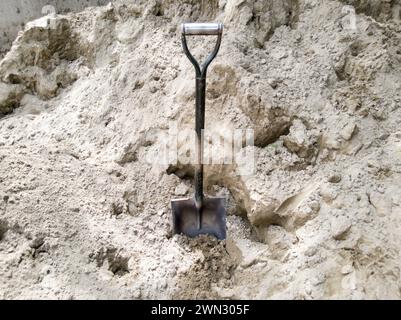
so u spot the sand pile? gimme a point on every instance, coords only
(86, 99)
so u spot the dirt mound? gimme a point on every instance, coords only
(84, 105)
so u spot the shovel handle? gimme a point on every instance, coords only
(202, 29)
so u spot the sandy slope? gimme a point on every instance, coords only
(84, 214)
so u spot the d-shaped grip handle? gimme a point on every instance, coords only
(205, 29)
(202, 29)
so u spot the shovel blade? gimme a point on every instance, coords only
(213, 217)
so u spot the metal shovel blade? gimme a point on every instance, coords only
(213, 217)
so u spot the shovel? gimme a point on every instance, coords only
(200, 215)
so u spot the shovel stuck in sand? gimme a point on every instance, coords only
(200, 215)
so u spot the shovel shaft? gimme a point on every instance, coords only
(200, 86)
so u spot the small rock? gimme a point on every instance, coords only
(382, 203)
(137, 294)
(334, 178)
(340, 228)
(132, 264)
(181, 189)
(311, 251)
(273, 82)
(11, 200)
(328, 194)
(37, 242)
(45, 270)
(163, 284)
(349, 282)
(348, 131)
(318, 279)
(105, 275)
(347, 269)
(384, 136)
(300, 140)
